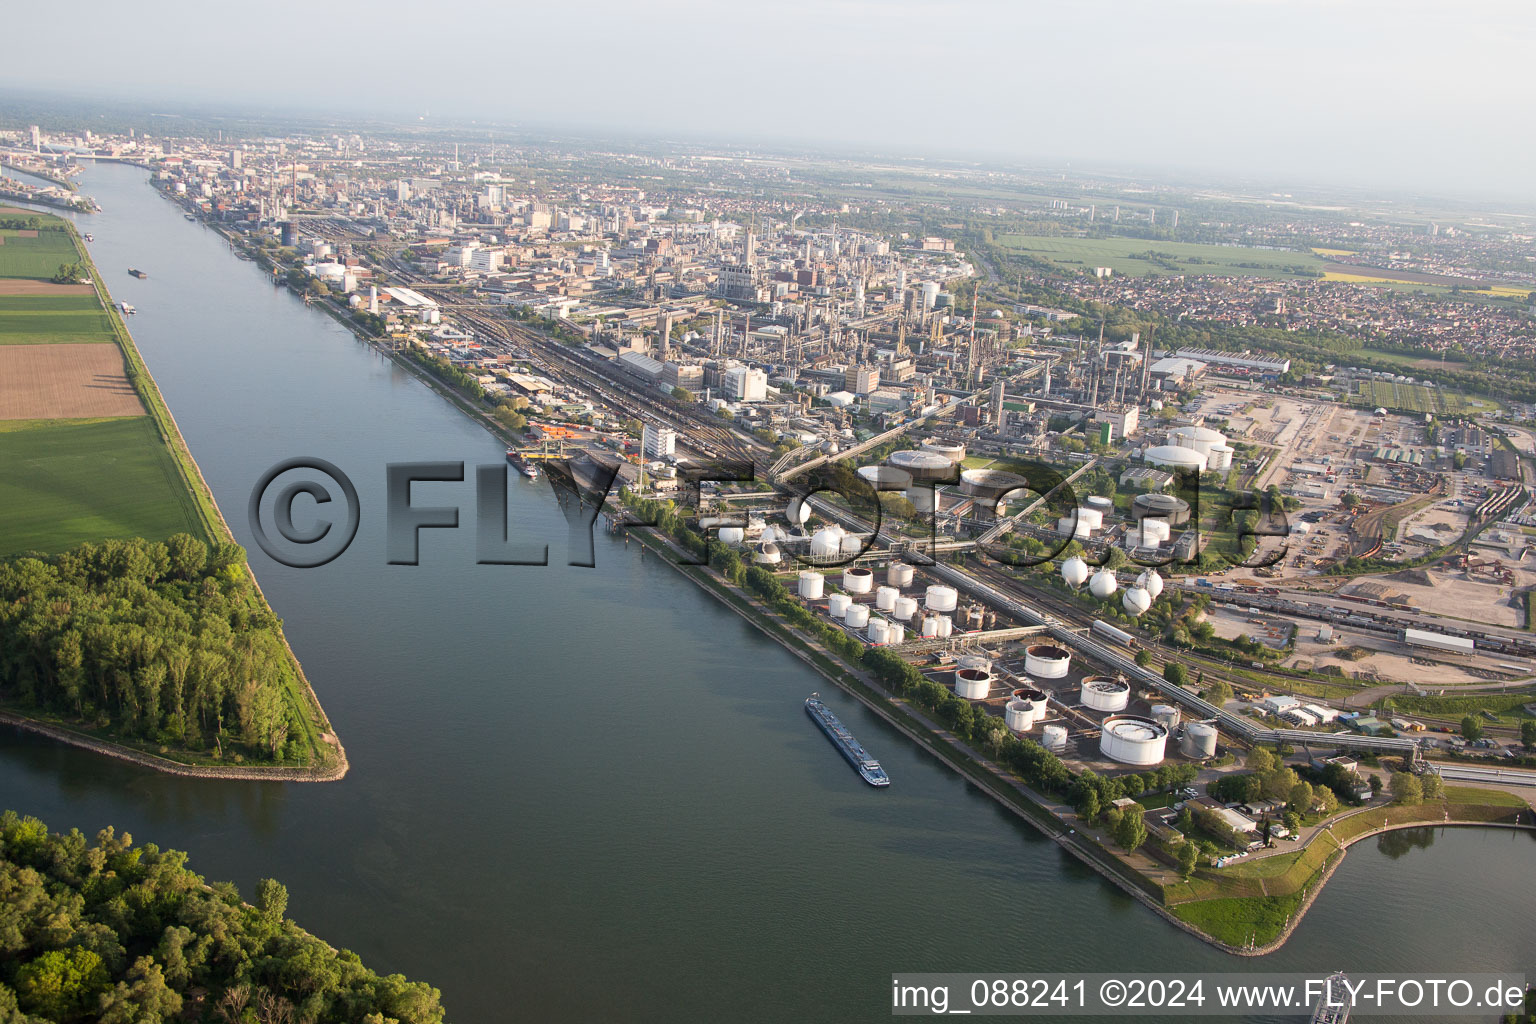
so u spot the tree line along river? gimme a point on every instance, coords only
(584, 794)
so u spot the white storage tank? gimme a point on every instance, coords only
(1103, 506)
(1151, 582)
(886, 478)
(1101, 693)
(1075, 571)
(905, 608)
(827, 542)
(946, 625)
(857, 616)
(1155, 531)
(1173, 456)
(1103, 585)
(931, 626)
(941, 599)
(1199, 740)
(1074, 527)
(768, 554)
(1092, 516)
(797, 512)
(1136, 601)
(921, 464)
(837, 605)
(1166, 715)
(1054, 738)
(812, 585)
(858, 580)
(898, 574)
(898, 633)
(852, 544)
(973, 683)
(1133, 740)
(1018, 715)
(879, 631)
(885, 598)
(732, 536)
(952, 451)
(1200, 439)
(971, 660)
(924, 499)
(1220, 456)
(1047, 661)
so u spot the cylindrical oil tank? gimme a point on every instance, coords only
(837, 605)
(946, 625)
(921, 464)
(1018, 715)
(857, 616)
(879, 631)
(1175, 456)
(905, 608)
(812, 585)
(1165, 715)
(924, 499)
(1155, 531)
(1101, 693)
(1103, 585)
(951, 450)
(1201, 439)
(1160, 506)
(941, 599)
(1102, 505)
(732, 536)
(974, 617)
(972, 660)
(1221, 456)
(1133, 740)
(898, 574)
(973, 683)
(898, 634)
(931, 626)
(1074, 527)
(858, 580)
(1047, 661)
(1199, 740)
(1037, 700)
(886, 478)
(1092, 516)
(1054, 738)
(990, 484)
(885, 598)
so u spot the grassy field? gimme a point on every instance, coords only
(51, 320)
(1136, 257)
(1416, 398)
(69, 481)
(35, 257)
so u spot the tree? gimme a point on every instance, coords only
(1471, 729)
(1406, 789)
(1218, 693)
(682, 395)
(1434, 786)
(1261, 761)
(1300, 798)
(1375, 785)
(60, 984)
(1144, 658)
(1131, 830)
(271, 901)
(1325, 800)
(1188, 857)
(1528, 732)
(1088, 805)
(1175, 674)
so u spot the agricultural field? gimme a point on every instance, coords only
(1137, 257)
(65, 381)
(70, 481)
(52, 320)
(1416, 398)
(36, 256)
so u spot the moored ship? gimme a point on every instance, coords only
(522, 465)
(136, 272)
(868, 768)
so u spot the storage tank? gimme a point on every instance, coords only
(857, 616)
(1075, 571)
(990, 484)
(1018, 715)
(922, 464)
(905, 608)
(930, 294)
(973, 617)
(827, 542)
(946, 625)
(1103, 585)
(886, 478)
(1220, 456)
(1166, 715)
(931, 626)
(1102, 505)
(951, 450)
(851, 544)
(1136, 601)
(1133, 740)
(1174, 456)
(973, 660)
(837, 605)
(797, 512)
(885, 598)
(1101, 693)
(898, 574)
(812, 585)
(1047, 661)
(732, 536)
(1054, 738)
(1151, 582)
(973, 683)
(1092, 516)
(1160, 506)
(1199, 740)
(941, 598)
(879, 631)
(1200, 439)
(1074, 527)
(858, 580)
(1155, 531)
(923, 499)
(768, 554)
(897, 634)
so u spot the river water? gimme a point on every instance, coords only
(591, 794)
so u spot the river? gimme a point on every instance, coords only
(591, 794)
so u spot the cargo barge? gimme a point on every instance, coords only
(868, 768)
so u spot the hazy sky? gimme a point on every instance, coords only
(1397, 92)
